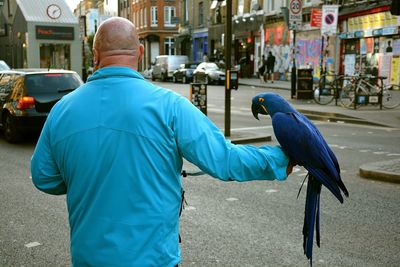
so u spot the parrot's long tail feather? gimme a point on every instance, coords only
(311, 216)
(302, 185)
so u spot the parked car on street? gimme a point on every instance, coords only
(3, 65)
(209, 73)
(165, 66)
(27, 96)
(184, 73)
(148, 73)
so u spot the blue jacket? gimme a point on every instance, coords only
(115, 147)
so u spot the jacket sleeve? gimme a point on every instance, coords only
(44, 170)
(203, 144)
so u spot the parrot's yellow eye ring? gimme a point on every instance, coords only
(260, 99)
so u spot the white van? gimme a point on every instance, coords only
(165, 66)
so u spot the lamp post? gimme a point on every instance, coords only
(228, 48)
(285, 13)
(294, 70)
(228, 63)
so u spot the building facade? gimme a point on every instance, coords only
(43, 34)
(157, 25)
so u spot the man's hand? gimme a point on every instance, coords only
(290, 166)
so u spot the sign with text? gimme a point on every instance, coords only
(198, 96)
(329, 19)
(295, 13)
(316, 16)
(54, 33)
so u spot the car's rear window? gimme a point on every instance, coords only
(51, 82)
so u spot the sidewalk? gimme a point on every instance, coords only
(388, 171)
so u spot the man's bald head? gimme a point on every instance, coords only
(116, 33)
(116, 43)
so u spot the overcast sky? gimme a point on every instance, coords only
(72, 4)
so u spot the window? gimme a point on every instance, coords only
(141, 18)
(240, 8)
(186, 13)
(169, 48)
(145, 17)
(169, 12)
(154, 20)
(201, 14)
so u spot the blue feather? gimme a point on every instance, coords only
(304, 144)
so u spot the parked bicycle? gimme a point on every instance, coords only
(367, 89)
(328, 88)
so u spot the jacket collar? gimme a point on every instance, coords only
(114, 71)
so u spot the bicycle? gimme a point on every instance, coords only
(367, 89)
(327, 89)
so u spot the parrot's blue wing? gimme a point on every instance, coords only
(302, 141)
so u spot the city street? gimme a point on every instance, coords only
(229, 223)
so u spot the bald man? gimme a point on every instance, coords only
(115, 147)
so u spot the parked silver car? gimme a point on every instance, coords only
(208, 73)
(3, 65)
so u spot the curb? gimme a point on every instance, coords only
(382, 171)
(247, 140)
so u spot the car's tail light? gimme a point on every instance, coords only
(26, 102)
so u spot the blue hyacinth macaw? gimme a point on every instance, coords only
(304, 144)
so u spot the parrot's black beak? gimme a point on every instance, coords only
(254, 110)
(258, 109)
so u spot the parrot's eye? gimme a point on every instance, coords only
(260, 99)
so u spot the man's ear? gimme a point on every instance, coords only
(96, 59)
(140, 52)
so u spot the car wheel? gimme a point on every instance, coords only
(184, 79)
(10, 130)
(164, 77)
(152, 77)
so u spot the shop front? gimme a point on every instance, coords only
(277, 41)
(200, 45)
(371, 44)
(46, 36)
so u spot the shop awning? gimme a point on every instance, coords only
(49, 11)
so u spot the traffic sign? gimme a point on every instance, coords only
(329, 19)
(295, 12)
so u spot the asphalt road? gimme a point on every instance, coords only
(230, 223)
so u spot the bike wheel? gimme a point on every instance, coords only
(347, 96)
(390, 99)
(324, 95)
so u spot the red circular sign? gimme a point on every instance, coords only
(295, 6)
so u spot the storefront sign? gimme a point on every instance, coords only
(368, 33)
(329, 19)
(316, 16)
(390, 31)
(54, 33)
(359, 34)
(377, 32)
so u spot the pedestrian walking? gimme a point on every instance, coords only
(270, 67)
(261, 69)
(115, 147)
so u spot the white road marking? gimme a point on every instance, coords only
(232, 199)
(296, 169)
(32, 244)
(189, 208)
(393, 154)
(380, 152)
(364, 150)
(269, 191)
